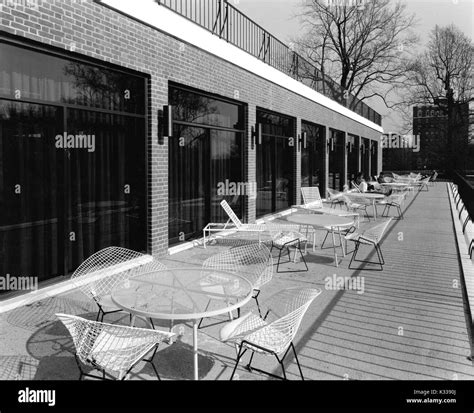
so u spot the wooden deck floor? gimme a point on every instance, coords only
(409, 323)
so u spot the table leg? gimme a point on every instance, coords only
(340, 240)
(375, 211)
(334, 246)
(195, 349)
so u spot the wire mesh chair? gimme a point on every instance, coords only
(112, 349)
(356, 187)
(311, 196)
(274, 333)
(423, 184)
(97, 276)
(283, 239)
(368, 234)
(395, 201)
(357, 203)
(252, 261)
(335, 198)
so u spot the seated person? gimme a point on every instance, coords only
(364, 187)
(361, 183)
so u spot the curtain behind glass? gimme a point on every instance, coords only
(188, 182)
(105, 188)
(226, 165)
(30, 169)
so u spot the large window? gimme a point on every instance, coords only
(72, 162)
(275, 162)
(352, 157)
(336, 159)
(365, 157)
(205, 162)
(374, 154)
(312, 155)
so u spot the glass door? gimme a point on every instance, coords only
(352, 158)
(312, 156)
(275, 163)
(188, 182)
(336, 160)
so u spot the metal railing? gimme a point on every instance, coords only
(466, 190)
(226, 21)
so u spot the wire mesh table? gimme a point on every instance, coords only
(183, 294)
(323, 221)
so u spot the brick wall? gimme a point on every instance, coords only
(82, 27)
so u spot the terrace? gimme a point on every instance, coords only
(410, 322)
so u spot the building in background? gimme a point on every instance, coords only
(431, 123)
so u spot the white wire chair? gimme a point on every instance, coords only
(283, 239)
(97, 276)
(357, 203)
(423, 184)
(368, 234)
(112, 349)
(311, 196)
(356, 187)
(335, 198)
(395, 201)
(252, 261)
(274, 333)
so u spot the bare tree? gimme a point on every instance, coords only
(442, 76)
(358, 43)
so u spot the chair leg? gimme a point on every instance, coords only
(297, 361)
(379, 252)
(150, 360)
(302, 256)
(325, 238)
(200, 321)
(256, 301)
(239, 356)
(279, 258)
(282, 367)
(356, 249)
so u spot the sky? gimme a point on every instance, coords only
(279, 17)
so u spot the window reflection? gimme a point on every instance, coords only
(25, 74)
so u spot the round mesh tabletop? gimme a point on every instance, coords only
(320, 220)
(182, 293)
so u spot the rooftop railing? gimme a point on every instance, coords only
(224, 20)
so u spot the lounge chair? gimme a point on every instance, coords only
(234, 224)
